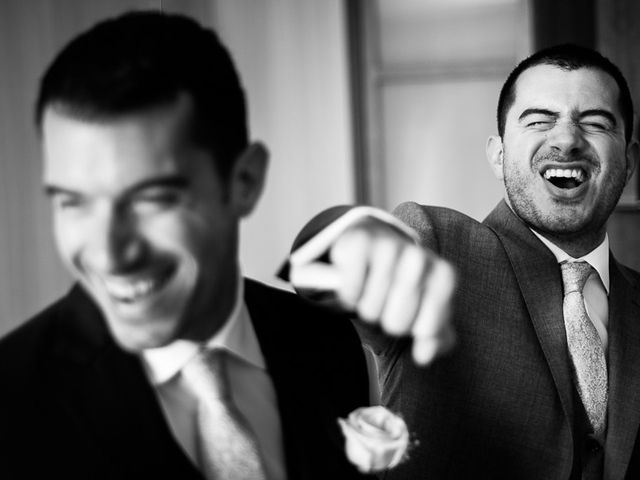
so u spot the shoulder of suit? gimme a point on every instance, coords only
(296, 318)
(436, 224)
(412, 212)
(70, 319)
(33, 329)
(272, 299)
(632, 275)
(26, 347)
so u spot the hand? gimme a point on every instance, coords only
(383, 276)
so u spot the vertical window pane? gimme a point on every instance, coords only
(446, 31)
(434, 137)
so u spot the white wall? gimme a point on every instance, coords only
(292, 57)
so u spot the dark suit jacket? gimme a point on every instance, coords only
(73, 405)
(503, 404)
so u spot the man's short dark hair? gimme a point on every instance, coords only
(144, 59)
(567, 57)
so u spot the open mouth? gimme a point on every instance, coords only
(565, 178)
(130, 290)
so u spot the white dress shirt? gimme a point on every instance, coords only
(251, 386)
(596, 290)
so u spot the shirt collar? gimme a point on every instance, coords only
(237, 336)
(598, 258)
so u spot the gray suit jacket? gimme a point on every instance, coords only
(503, 404)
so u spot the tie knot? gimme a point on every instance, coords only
(574, 275)
(206, 374)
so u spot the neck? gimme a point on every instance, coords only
(576, 245)
(220, 307)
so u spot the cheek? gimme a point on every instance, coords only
(613, 161)
(185, 236)
(69, 239)
(522, 149)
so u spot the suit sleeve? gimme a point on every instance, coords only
(417, 217)
(315, 239)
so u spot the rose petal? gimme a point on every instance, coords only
(376, 439)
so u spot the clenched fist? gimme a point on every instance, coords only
(381, 274)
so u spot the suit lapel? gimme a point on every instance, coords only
(286, 383)
(540, 283)
(313, 443)
(624, 372)
(106, 391)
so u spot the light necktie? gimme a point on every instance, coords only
(226, 446)
(585, 347)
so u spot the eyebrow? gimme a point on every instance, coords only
(599, 112)
(178, 182)
(587, 113)
(537, 111)
(53, 190)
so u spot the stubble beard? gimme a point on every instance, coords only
(563, 227)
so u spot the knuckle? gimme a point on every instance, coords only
(367, 312)
(393, 324)
(386, 249)
(348, 245)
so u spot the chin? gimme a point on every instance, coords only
(567, 227)
(135, 339)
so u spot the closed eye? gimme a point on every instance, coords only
(538, 118)
(64, 199)
(157, 198)
(597, 119)
(540, 125)
(68, 201)
(596, 126)
(159, 193)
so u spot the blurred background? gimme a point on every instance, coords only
(369, 101)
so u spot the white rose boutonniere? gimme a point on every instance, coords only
(376, 439)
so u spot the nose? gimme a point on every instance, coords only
(566, 138)
(116, 245)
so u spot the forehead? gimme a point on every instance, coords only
(557, 89)
(116, 153)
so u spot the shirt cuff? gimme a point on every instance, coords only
(320, 243)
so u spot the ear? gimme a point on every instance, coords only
(633, 153)
(495, 155)
(247, 178)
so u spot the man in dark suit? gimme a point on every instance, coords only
(543, 381)
(149, 170)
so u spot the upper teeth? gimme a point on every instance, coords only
(129, 290)
(565, 172)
